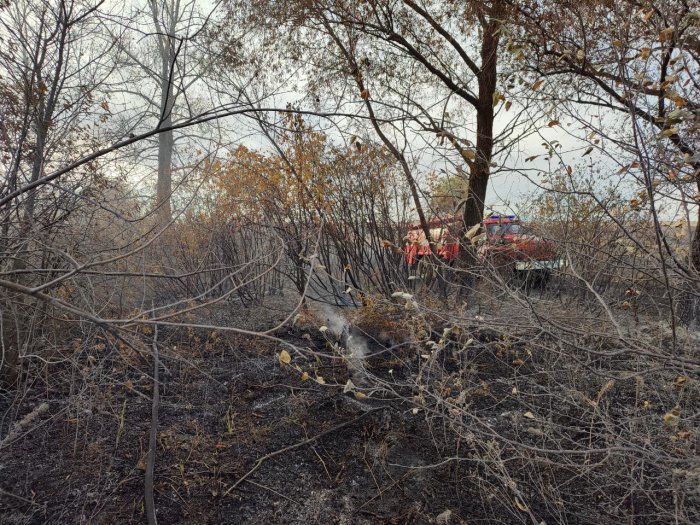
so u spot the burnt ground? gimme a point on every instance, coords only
(225, 402)
(229, 404)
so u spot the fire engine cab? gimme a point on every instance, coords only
(502, 240)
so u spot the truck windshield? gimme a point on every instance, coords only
(508, 228)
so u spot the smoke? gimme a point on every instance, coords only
(355, 348)
(337, 324)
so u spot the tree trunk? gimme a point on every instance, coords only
(14, 331)
(480, 168)
(166, 143)
(695, 246)
(9, 345)
(689, 303)
(164, 184)
(37, 168)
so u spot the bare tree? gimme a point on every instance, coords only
(161, 64)
(416, 69)
(634, 65)
(54, 71)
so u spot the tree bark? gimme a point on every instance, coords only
(166, 142)
(689, 302)
(695, 246)
(165, 179)
(480, 168)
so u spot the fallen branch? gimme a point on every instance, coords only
(303, 443)
(19, 427)
(151, 461)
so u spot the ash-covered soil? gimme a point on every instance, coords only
(504, 433)
(226, 401)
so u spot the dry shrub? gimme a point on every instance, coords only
(387, 320)
(552, 415)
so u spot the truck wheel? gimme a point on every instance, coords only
(527, 280)
(535, 279)
(500, 268)
(507, 271)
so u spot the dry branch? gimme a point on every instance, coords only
(152, 443)
(17, 429)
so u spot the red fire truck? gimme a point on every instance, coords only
(445, 235)
(502, 243)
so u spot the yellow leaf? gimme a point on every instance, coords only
(537, 84)
(469, 154)
(521, 506)
(529, 415)
(284, 357)
(320, 380)
(670, 417)
(646, 404)
(580, 54)
(496, 97)
(679, 101)
(666, 34)
(518, 362)
(360, 396)
(617, 43)
(514, 391)
(305, 376)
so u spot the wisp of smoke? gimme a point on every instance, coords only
(355, 343)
